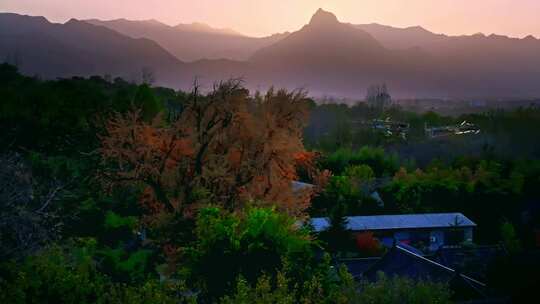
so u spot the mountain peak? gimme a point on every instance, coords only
(323, 17)
(154, 22)
(418, 28)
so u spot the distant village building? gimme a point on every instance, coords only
(391, 128)
(478, 103)
(461, 129)
(427, 232)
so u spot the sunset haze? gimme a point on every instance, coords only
(261, 18)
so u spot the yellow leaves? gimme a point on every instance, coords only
(237, 148)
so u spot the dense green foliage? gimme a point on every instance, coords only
(486, 191)
(381, 163)
(100, 250)
(64, 115)
(329, 287)
(383, 291)
(506, 133)
(57, 276)
(401, 290)
(92, 244)
(249, 244)
(489, 190)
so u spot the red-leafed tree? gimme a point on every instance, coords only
(368, 244)
(225, 147)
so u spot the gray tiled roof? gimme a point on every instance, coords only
(402, 221)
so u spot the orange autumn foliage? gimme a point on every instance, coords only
(225, 148)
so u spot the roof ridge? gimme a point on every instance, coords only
(409, 214)
(399, 221)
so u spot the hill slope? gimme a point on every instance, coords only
(191, 42)
(78, 48)
(326, 56)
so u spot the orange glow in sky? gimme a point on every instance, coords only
(263, 17)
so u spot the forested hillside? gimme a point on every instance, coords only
(115, 192)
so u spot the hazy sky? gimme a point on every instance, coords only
(262, 17)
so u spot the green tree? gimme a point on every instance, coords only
(148, 103)
(509, 238)
(69, 275)
(338, 237)
(362, 173)
(247, 243)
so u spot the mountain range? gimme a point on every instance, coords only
(190, 42)
(77, 48)
(326, 56)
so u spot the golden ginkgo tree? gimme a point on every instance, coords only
(225, 147)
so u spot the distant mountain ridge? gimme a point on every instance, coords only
(205, 28)
(77, 48)
(417, 36)
(320, 55)
(326, 56)
(329, 56)
(317, 41)
(191, 42)
(401, 38)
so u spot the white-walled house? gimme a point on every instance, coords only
(427, 232)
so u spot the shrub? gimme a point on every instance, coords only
(56, 276)
(368, 245)
(402, 291)
(247, 243)
(322, 287)
(381, 163)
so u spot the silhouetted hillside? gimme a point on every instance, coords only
(401, 38)
(190, 42)
(326, 57)
(477, 64)
(78, 48)
(323, 39)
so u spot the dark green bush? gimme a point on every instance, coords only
(56, 276)
(247, 243)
